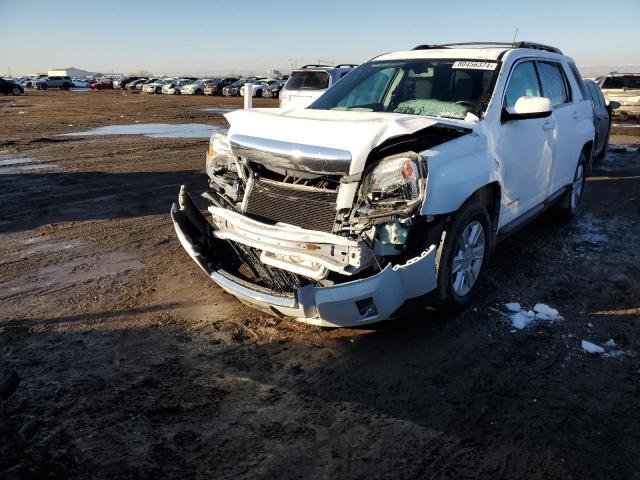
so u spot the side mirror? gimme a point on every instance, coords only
(613, 105)
(527, 108)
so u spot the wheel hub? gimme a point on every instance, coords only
(467, 261)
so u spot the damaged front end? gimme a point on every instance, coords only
(295, 232)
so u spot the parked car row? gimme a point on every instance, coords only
(228, 86)
(10, 87)
(44, 82)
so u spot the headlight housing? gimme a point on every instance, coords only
(219, 155)
(395, 179)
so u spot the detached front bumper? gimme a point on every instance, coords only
(358, 302)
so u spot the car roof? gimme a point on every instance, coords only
(618, 74)
(474, 51)
(464, 53)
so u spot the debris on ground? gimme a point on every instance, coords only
(591, 347)
(521, 318)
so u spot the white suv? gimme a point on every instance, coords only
(308, 83)
(397, 182)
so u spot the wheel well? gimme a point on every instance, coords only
(489, 196)
(587, 149)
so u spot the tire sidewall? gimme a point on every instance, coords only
(448, 249)
(571, 209)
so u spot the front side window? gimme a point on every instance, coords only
(432, 87)
(554, 86)
(523, 83)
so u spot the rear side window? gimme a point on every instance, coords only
(554, 85)
(523, 83)
(308, 80)
(630, 81)
(578, 78)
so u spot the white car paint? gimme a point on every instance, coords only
(531, 161)
(256, 88)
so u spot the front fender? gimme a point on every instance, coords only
(456, 170)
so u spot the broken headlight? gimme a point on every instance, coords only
(219, 155)
(398, 178)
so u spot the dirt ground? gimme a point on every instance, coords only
(135, 365)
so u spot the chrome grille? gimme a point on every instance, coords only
(303, 207)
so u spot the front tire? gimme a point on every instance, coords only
(463, 255)
(16, 92)
(569, 205)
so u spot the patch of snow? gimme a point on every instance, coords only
(220, 110)
(513, 306)
(545, 312)
(610, 343)
(155, 130)
(591, 347)
(522, 318)
(10, 166)
(15, 161)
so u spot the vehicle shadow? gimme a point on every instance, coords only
(33, 199)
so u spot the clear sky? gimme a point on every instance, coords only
(210, 35)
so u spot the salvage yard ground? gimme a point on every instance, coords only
(134, 364)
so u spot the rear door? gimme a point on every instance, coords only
(601, 116)
(555, 86)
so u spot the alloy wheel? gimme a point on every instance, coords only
(468, 259)
(578, 185)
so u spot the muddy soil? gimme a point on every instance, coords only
(134, 365)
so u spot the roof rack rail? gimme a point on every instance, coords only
(314, 65)
(536, 46)
(354, 65)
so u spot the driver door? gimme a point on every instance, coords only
(524, 148)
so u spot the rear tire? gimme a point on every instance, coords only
(463, 255)
(16, 92)
(571, 202)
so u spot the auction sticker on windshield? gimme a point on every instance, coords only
(475, 65)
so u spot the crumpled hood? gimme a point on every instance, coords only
(354, 132)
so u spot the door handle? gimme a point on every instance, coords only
(575, 115)
(548, 125)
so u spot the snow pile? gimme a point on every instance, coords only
(591, 347)
(521, 318)
(545, 312)
(610, 349)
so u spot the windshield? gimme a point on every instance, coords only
(631, 81)
(308, 80)
(434, 87)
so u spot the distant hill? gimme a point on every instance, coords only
(591, 71)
